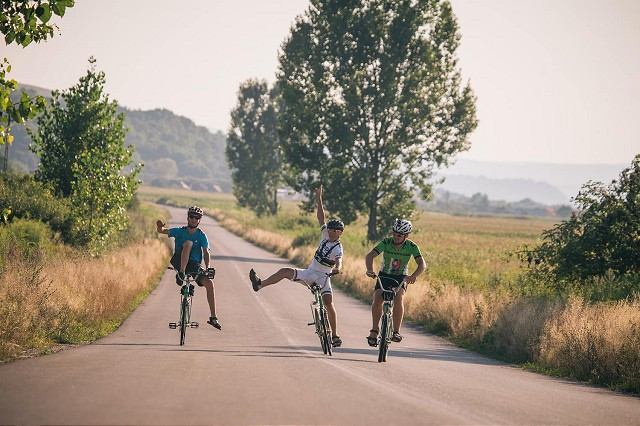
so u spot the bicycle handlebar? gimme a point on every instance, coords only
(393, 290)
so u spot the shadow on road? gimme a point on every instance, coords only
(251, 259)
(446, 354)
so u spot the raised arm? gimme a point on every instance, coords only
(319, 206)
(161, 228)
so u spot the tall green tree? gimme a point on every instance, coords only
(372, 102)
(80, 142)
(253, 148)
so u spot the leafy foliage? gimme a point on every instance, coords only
(253, 148)
(604, 237)
(80, 142)
(27, 21)
(14, 111)
(25, 198)
(372, 97)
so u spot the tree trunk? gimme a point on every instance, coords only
(274, 204)
(372, 232)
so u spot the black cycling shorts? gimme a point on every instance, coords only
(193, 268)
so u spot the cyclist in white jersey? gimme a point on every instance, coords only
(327, 259)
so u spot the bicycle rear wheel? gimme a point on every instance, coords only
(384, 342)
(184, 318)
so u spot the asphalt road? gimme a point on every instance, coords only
(266, 367)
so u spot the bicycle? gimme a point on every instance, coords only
(186, 301)
(386, 327)
(319, 315)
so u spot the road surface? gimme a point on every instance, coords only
(266, 367)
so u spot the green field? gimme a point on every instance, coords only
(470, 252)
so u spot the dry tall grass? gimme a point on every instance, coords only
(72, 298)
(599, 343)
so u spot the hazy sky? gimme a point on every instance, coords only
(557, 81)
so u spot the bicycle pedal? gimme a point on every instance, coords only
(195, 324)
(311, 323)
(173, 325)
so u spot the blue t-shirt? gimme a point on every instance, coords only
(199, 239)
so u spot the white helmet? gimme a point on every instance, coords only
(402, 226)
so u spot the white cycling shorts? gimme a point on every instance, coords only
(310, 276)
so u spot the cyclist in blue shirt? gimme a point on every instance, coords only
(191, 247)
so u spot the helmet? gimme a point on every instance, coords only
(335, 224)
(402, 226)
(195, 211)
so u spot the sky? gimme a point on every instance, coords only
(556, 81)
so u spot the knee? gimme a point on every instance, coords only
(187, 245)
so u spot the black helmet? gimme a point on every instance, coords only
(335, 224)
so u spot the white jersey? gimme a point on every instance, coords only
(327, 254)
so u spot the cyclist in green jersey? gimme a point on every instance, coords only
(398, 250)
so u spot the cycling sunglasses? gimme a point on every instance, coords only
(194, 216)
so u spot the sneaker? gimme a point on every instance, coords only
(336, 341)
(396, 337)
(255, 281)
(180, 277)
(214, 322)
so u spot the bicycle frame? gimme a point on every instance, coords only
(386, 327)
(319, 316)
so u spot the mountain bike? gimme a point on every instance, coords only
(186, 301)
(386, 327)
(319, 316)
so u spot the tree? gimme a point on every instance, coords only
(22, 22)
(80, 142)
(603, 236)
(372, 101)
(13, 111)
(253, 148)
(25, 21)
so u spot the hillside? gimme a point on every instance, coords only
(176, 152)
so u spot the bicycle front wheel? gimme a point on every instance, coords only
(326, 332)
(184, 319)
(384, 339)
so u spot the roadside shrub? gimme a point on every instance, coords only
(30, 199)
(603, 237)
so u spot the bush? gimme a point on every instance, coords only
(602, 238)
(28, 199)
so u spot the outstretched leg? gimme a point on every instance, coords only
(283, 273)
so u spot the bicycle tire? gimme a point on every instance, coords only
(316, 319)
(384, 343)
(183, 320)
(323, 332)
(327, 334)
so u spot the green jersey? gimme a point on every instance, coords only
(396, 259)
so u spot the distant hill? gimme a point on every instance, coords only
(509, 190)
(568, 178)
(176, 152)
